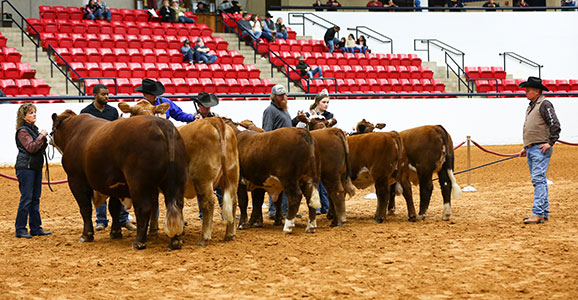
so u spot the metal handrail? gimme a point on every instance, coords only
(21, 25)
(432, 8)
(387, 39)
(458, 73)
(314, 22)
(443, 46)
(239, 36)
(524, 60)
(67, 66)
(83, 80)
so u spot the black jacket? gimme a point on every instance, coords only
(25, 159)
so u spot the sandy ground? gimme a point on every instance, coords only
(484, 252)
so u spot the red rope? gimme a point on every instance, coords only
(43, 182)
(493, 152)
(567, 143)
(461, 144)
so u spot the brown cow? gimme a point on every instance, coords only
(335, 171)
(429, 150)
(213, 161)
(128, 158)
(284, 159)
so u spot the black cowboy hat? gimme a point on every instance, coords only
(207, 100)
(150, 86)
(533, 82)
(268, 15)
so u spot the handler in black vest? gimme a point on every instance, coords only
(31, 145)
(100, 109)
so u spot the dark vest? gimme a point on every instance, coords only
(536, 131)
(26, 160)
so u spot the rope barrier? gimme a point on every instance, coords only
(567, 143)
(493, 152)
(461, 144)
(43, 182)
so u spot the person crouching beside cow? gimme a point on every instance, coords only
(152, 90)
(31, 144)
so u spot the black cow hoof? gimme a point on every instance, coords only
(379, 220)
(412, 219)
(153, 232)
(256, 224)
(278, 223)
(86, 238)
(175, 244)
(242, 226)
(228, 238)
(115, 234)
(139, 246)
(202, 243)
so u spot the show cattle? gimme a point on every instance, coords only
(128, 158)
(335, 171)
(284, 159)
(211, 148)
(430, 150)
(379, 158)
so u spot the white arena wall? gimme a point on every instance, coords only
(548, 38)
(487, 121)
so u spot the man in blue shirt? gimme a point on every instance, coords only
(151, 91)
(100, 109)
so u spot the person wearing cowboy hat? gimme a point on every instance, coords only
(541, 131)
(206, 101)
(306, 70)
(151, 91)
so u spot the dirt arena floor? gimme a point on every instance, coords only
(484, 252)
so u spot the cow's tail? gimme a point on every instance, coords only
(315, 160)
(174, 221)
(400, 161)
(347, 184)
(448, 165)
(227, 186)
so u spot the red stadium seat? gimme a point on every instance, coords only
(498, 72)
(194, 85)
(93, 41)
(207, 85)
(24, 87)
(563, 85)
(60, 12)
(141, 15)
(122, 70)
(216, 71)
(78, 26)
(133, 41)
(74, 13)
(120, 41)
(175, 56)
(161, 55)
(108, 69)
(106, 55)
(204, 71)
(170, 87)
(150, 70)
(104, 27)
(164, 70)
(64, 26)
(47, 12)
(134, 55)
(178, 70)
(148, 55)
(25, 70)
(128, 15)
(181, 86)
(137, 70)
(41, 87)
(118, 27)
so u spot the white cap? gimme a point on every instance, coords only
(278, 90)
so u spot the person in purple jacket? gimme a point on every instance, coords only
(152, 90)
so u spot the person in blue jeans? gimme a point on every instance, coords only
(103, 12)
(330, 39)
(100, 109)
(31, 144)
(187, 51)
(305, 69)
(201, 53)
(541, 131)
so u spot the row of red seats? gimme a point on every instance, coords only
(361, 85)
(236, 17)
(485, 72)
(376, 72)
(2, 40)
(189, 85)
(489, 86)
(9, 54)
(163, 70)
(90, 40)
(19, 70)
(75, 13)
(373, 59)
(114, 27)
(13, 87)
(138, 55)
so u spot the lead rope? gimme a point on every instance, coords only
(47, 157)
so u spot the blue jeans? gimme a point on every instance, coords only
(219, 194)
(284, 204)
(88, 16)
(282, 35)
(203, 57)
(315, 71)
(189, 56)
(331, 44)
(30, 184)
(254, 35)
(324, 199)
(101, 215)
(183, 19)
(538, 164)
(99, 13)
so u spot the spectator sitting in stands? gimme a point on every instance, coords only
(522, 3)
(230, 7)
(341, 43)
(374, 3)
(187, 52)
(568, 3)
(282, 32)
(270, 27)
(180, 10)
(202, 8)
(201, 53)
(306, 69)
(361, 42)
(332, 5)
(166, 13)
(330, 39)
(491, 3)
(390, 3)
(257, 27)
(90, 10)
(455, 3)
(102, 12)
(318, 5)
(350, 45)
(246, 29)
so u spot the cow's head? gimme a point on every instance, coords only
(57, 120)
(249, 125)
(144, 107)
(365, 127)
(316, 121)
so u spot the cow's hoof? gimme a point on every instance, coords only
(330, 216)
(446, 218)
(229, 237)
(256, 224)
(412, 219)
(421, 217)
(175, 244)
(242, 226)
(86, 238)
(278, 223)
(139, 245)
(153, 232)
(379, 220)
(202, 243)
(116, 234)
(391, 211)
